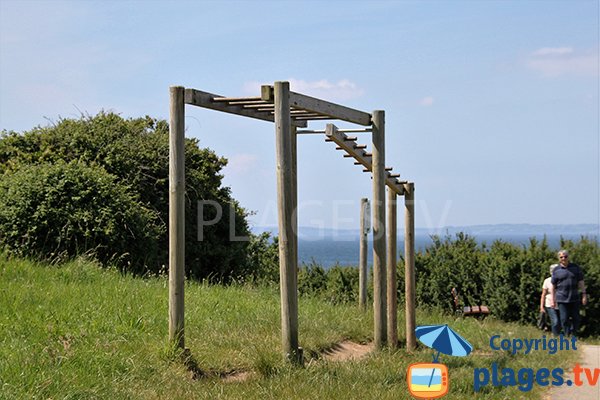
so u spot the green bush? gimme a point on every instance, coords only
(136, 153)
(312, 278)
(506, 277)
(263, 260)
(61, 210)
(447, 264)
(342, 285)
(337, 284)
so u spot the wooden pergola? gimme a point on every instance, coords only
(290, 111)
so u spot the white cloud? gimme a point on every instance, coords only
(553, 51)
(426, 101)
(241, 164)
(323, 89)
(559, 61)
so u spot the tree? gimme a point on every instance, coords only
(135, 152)
(52, 211)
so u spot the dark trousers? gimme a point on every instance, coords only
(554, 321)
(569, 317)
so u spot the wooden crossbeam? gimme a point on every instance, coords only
(362, 157)
(237, 99)
(220, 103)
(326, 109)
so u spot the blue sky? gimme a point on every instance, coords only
(491, 106)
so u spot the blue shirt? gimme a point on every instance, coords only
(565, 281)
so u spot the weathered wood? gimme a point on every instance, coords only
(409, 265)
(263, 106)
(332, 110)
(391, 258)
(379, 236)
(361, 156)
(286, 191)
(177, 216)
(319, 117)
(208, 100)
(363, 274)
(240, 99)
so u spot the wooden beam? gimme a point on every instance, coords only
(177, 216)
(379, 236)
(262, 105)
(319, 117)
(286, 188)
(409, 265)
(363, 274)
(211, 101)
(391, 259)
(325, 108)
(241, 99)
(332, 134)
(333, 110)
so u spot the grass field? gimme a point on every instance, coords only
(76, 331)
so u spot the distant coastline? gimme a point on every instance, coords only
(329, 247)
(571, 230)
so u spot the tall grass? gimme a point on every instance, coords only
(76, 331)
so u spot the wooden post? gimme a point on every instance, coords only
(287, 237)
(177, 216)
(379, 237)
(409, 266)
(365, 227)
(392, 284)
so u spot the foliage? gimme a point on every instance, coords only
(53, 210)
(136, 153)
(337, 284)
(505, 277)
(263, 260)
(312, 278)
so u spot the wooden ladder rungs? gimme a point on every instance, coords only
(350, 138)
(348, 155)
(360, 146)
(389, 168)
(394, 175)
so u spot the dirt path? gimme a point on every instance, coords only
(590, 358)
(348, 351)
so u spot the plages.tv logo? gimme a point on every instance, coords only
(431, 380)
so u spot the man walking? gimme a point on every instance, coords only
(567, 280)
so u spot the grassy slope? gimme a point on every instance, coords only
(78, 332)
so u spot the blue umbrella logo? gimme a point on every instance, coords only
(443, 339)
(420, 376)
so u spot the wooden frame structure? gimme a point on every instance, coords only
(290, 111)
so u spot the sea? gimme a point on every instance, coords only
(328, 247)
(328, 252)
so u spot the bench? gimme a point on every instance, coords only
(479, 311)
